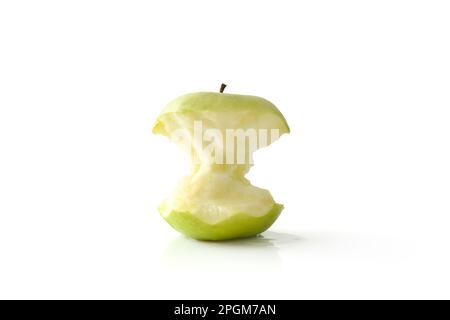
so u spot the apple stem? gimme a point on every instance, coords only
(222, 87)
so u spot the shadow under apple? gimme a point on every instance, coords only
(257, 253)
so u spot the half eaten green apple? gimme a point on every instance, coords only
(220, 132)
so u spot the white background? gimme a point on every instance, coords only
(364, 174)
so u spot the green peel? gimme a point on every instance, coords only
(240, 225)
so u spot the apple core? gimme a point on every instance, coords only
(216, 201)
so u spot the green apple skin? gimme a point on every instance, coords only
(219, 102)
(238, 226)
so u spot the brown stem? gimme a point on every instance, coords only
(222, 87)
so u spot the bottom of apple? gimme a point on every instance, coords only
(239, 225)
